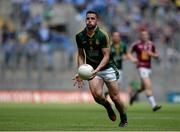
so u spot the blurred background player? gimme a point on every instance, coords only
(144, 50)
(93, 49)
(118, 52)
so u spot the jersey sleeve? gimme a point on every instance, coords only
(105, 43)
(153, 48)
(78, 42)
(125, 49)
(133, 48)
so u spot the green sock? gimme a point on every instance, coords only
(123, 117)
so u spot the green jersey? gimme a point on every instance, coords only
(93, 47)
(117, 54)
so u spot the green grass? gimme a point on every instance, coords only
(85, 117)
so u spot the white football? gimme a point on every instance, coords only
(85, 71)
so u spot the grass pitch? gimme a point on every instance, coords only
(85, 117)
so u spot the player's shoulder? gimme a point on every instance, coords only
(150, 42)
(80, 33)
(136, 43)
(103, 32)
(123, 44)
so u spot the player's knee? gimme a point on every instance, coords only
(146, 82)
(147, 86)
(99, 99)
(143, 85)
(97, 96)
(148, 92)
(114, 97)
(142, 88)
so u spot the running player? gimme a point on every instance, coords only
(144, 50)
(118, 52)
(93, 48)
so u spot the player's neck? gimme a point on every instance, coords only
(116, 44)
(90, 32)
(144, 41)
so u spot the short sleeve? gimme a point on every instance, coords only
(124, 48)
(105, 43)
(133, 48)
(78, 42)
(153, 48)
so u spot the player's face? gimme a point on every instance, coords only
(91, 21)
(116, 37)
(144, 35)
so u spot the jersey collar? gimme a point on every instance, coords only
(120, 43)
(95, 30)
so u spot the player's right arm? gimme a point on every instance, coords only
(81, 55)
(80, 61)
(153, 52)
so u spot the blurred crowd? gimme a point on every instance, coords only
(160, 17)
(27, 40)
(23, 36)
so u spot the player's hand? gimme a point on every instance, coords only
(93, 74)
(135, 61)
(150, 53)
(78, 81)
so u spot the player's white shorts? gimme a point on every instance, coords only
(108, 75)
(120, 76)
(144, 72)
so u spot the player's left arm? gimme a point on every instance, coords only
(105, 60)
(105, 48)
(153, 52)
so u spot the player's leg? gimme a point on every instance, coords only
(96, 88)
(143, 73)
(142, 89)
(147, 87)
(114, 93)
(149, 94)
(133, 94)
(119, 82)
(120, 78)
